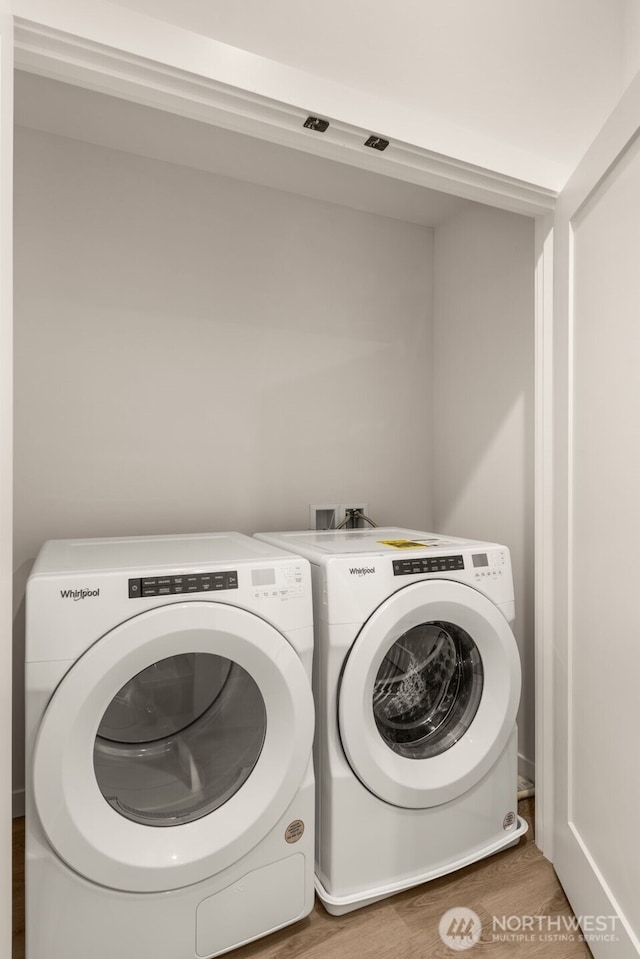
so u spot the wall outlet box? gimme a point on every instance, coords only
(323, 516)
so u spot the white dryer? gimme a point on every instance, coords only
(417, 685)
(169, 736)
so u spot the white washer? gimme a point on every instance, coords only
(169, 737)
(417, 684)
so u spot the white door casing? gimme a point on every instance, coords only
(597, 518)
(421, 783)
(115, 851)
(6, 462)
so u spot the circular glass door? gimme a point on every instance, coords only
(427, 690)
(429, 694)
(179, 739)
(197, 716)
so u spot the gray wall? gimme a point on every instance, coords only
(196, 353)
(483, 408)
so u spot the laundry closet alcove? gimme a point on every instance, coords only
(214, 330)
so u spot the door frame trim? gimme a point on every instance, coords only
(61, 56)
(571, 856)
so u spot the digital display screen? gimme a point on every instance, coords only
(480, 559)
(263, 577)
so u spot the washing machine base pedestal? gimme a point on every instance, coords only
(339, 905)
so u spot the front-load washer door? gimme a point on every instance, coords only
(429, 694)
(172, 746)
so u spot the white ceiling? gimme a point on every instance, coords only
(537, 76)
(81, 114)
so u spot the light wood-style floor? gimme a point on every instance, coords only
(518, 882)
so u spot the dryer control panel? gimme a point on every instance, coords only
(427, 564)
(182, 583)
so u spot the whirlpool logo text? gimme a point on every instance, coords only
(76, 594)
(361, 570)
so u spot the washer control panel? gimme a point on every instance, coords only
(489, 565)
(182, 583)
(427, 564)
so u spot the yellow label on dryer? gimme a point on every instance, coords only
(403, 543)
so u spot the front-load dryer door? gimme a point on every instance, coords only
(172, 746)
(429, 694)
